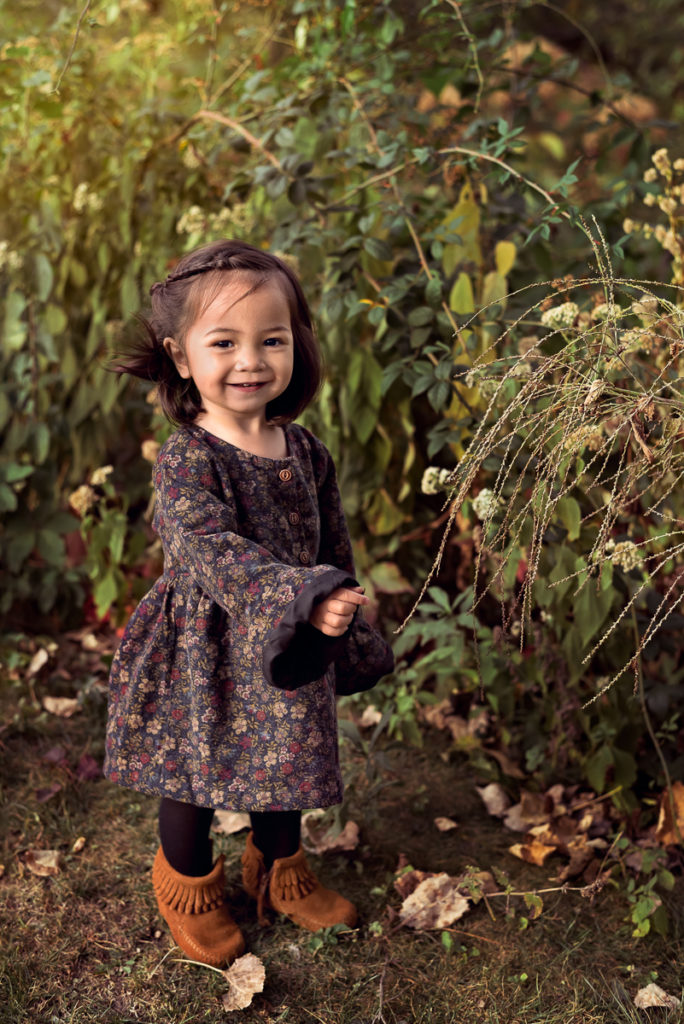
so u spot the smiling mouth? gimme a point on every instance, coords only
(251, 386)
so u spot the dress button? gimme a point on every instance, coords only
(304, 557)
(294, 518)
(285, 475)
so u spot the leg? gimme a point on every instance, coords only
(276, 833)
(190, 892)
(184, 835)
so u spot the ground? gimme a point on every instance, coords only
(87, 945)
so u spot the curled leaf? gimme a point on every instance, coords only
(317, 839)
(435, 903)
(445, 824)
(533, 852)
(38, 661)
(78, 844)
(495, 798)
(246, 977)
(42, 862)
(654, 995)
(666, 833)
(230, 822)
(63, 707)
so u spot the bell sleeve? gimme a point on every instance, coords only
(197, 519)
(364, 657)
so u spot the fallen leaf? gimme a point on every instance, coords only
(436, 715)
(513, 819)
(39, 659)
(408, 881)
(536, 808)
(246, 977)
(445, 824)
(43, 795)
(370, 717)
(2, 870)
(55, 755)
(42, 862)
(435, 903)
(79, 844)
(507, 765)
(88, 768)
(654, 995)
(666, 834)
(230, 822)
(64, 707)
(533, 852)
(476, 884)
(89, 642)
(318, 839)
(495, 798)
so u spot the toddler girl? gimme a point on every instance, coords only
(223, 686)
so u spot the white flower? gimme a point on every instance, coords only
(99, 475)
(560, 317)
(194, 219)
(628, 225)
(434, 480)
(486, 503)
(649, 199)
(679, 164)
(627, 555)
(85, 199)
(667, 204)
(651, 174)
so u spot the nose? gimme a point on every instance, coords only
(249, 358)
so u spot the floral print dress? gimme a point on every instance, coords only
(221, 693)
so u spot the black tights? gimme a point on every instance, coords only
(184, 834)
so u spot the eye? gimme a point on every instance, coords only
(272, 342)
(223, 343)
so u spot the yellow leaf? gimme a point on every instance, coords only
(464, 221)
(461, 299)
(435, 903)
(42, 862)
(504, 254)
(494, 289)
(533, 852)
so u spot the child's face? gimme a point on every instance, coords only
(239, 351)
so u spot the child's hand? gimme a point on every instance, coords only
(334, 614)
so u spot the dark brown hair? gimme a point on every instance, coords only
(176, 303)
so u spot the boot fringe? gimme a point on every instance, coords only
(188, 895)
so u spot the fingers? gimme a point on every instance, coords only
(334, 614)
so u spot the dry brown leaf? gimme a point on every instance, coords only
(318, 839)
(79, 844)
(246, 977)
(536, 808)
(507, 765)
(409, 881)
(63, 707)
(38, 661)
(230, 822)
(666, 834)
(495, 799)
(654, 995)
(436, 715)
(435, 903)
(2, 870)
(370, 717)
(42, 862)
(533, 852)
(446, 824)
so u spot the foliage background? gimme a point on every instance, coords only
(426, 167)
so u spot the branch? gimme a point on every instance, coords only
(74, 42)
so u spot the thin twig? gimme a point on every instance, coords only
(74, 42)
(473, 49)
(212, 115)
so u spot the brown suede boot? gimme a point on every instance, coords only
(196, 912)
(291, 888)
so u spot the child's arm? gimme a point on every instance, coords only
(333, 615)
(268, 602)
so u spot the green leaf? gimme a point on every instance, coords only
(130, 299)
(19, 549)
(41, 443)
(596, 766)
(420, 316)
(104, 593)
(44, 276)
(15, 471)
(51, 547)
(8, 499)
(378, 249)
(14, 332)
(433, 292)
(570, 515)
(590, 610)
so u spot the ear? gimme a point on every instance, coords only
(175, 352)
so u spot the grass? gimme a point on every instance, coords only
(88, 945)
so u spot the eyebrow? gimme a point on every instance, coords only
(232, 330)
